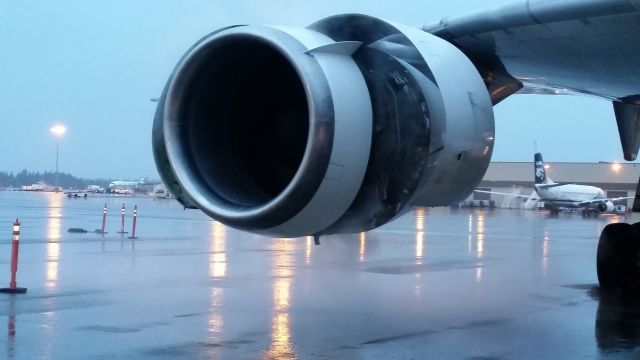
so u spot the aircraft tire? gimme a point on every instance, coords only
(617, 260)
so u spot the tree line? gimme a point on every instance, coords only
(65, 180)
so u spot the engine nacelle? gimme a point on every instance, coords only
(336, 128)
(607, 206)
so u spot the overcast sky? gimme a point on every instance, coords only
(94, 65)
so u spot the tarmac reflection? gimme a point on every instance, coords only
(479, 242)
(420, 217)
(545, 252)
(217, 270)
(307, 251)
(480, 234)
(363, 246)
(11, 328)
(470, 233)
(283, 261)
(218, 257)
(617, 324)
(54, 215)
(420, 214)
(200, 290)
(216, 319)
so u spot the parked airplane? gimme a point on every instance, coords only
(342, 126)
(122, 184)
(557, 196)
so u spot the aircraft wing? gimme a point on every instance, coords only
(505, 194)
(602, 201)
(552, 47)
(621, 198)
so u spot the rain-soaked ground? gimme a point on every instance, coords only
(435, 284)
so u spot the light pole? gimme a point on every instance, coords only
(58, 130)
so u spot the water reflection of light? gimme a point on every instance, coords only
(281, 294)
(54, 215)
(307, 252)
(49, 327)
(281, 345)
(363, 245)
(218, 257)
(53, 252)
(545, 252)
(419, 234)
(217, 270)
(480, 234)
(419, 219)
(215, 324)
(282, 270)
(216, 320)
(417, 289)
(419, 246)
(52, 274)
(478, 273)
(470, 232)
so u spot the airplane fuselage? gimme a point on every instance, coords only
(123, 184)
(570, 195)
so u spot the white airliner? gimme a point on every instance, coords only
(557, 196)
(122, 184)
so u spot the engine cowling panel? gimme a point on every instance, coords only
(337, 128)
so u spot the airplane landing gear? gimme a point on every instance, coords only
(619, 247)
(588, 212)
(618, 259)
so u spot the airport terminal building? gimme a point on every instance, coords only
(616, 179)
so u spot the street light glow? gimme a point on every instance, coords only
(58, 130)
(616, 167)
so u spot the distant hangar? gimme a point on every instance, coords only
(616, 179)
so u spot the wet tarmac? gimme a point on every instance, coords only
(435, 284)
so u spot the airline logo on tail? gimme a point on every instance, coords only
(540, 174)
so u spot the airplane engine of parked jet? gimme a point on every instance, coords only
(606, 207)
(334, 128)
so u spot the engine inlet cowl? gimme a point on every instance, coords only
(266, 129)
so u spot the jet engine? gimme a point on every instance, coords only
(607, 206)
(335, 128)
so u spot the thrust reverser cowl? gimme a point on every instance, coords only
(336, 128)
